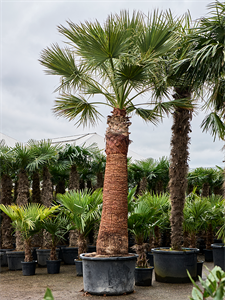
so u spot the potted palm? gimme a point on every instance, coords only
(140, 224)
(118, 61)
(26, 220)
(57, 226)
(83, 210)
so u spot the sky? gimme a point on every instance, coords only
(27, 94)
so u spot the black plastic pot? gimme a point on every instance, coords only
(91, 248)
(79, 267)
(149, 256)
(69, 254)
(143, 276)
(219, 255)
(208, 255)
(4, 262)
(28, 268)
(199, 268)
(1, 258)
(108, 275)
(43, 255)
(14, 259)
(171, 266)
(53, 266)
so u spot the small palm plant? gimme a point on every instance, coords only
(57, 226)
(140, 222)
(83, 210)
(27, 219)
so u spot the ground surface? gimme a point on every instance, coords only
(67, 286)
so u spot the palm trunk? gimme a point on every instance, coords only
(74, 179)
(113, 234)
(36, 193)
(22, 199)
(27, 248)
(100, 180)
(82, 244)
(23, 188)
(205, 189)
(178, 170)
(46, 199)
(6, 199)
(143, 186)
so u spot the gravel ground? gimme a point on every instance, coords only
(66, 285)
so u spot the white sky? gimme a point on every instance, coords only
(27, 98)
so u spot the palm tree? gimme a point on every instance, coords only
(118, 60)
(209, 59)
(44, 154)
(185, 82)
(142, 171)
(27, 219)
(82, 208)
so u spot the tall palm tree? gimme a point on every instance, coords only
(210, 57)
(184, 81)
(44, 154)
(117, 60)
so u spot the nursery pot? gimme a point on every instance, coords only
(108, 275)
(14, 259)
(43, 255)
(171, 266)
(4, 262)
(199, 268)
(1, 258)
(150, 259)
(219, 255)
(143, 276)
(53, 266)
(28, 268)
(208, 255)
(79, 267)
(69, 254)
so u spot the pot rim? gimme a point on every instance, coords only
(218, 245)
(161, 250)
(110, 258)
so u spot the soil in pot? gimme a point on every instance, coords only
(28, 268)
(53, 266)
(143, 276)
(79, 267)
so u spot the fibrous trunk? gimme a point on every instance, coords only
(6, 199)
(178, 170)
(22, 199)
(74, 179)
(205, 189)
(143, 186)
(82, 244)
(27, 248)
(46, 199)
(36, 193)
(113, 234)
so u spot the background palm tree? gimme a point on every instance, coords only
(117, 60)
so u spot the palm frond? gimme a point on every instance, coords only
(214, 124)
(71, 107)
